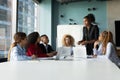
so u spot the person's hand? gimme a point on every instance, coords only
(79, 42)
(84, 42)
(34, 56)
(96, 43)
(94, 56)
(52, 54)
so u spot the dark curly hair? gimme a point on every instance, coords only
(88, 18)
(91, 17)
(32, 37)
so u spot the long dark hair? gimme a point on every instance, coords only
(17, 39)
(33, 37)
(91, 17)
(88, 18)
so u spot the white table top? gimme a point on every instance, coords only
(84, 69)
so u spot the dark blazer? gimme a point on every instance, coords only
(49, 48)
(91, 34)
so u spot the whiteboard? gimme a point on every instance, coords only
(74, 30)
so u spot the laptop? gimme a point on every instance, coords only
(63, 52)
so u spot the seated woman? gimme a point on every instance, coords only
(106, 47)
(68, 41)
(33, 46)
(46, 48)
(17, 50)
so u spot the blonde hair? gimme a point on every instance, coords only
(71, 40)
(17, 38)
(107, 37)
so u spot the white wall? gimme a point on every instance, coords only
(113, 13)
(14, 6)
(76, 31)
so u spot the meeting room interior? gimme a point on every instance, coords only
(60, 39)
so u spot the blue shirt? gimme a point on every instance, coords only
(18, 54)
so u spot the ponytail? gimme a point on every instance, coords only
(110, 38)
(105, 41)
(11, 46)
(17, 37)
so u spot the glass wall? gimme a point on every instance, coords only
(26, 16)
(5, 26)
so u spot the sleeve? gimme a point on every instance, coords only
(108, 50)
(16, 57)
(13, 54)
(97, 51)
(112, 55)
(23, 57)
(51, 49)
(84, 32)
(96, 32)
(40, 53)
(31, 51)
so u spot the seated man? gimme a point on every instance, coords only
(46, 48)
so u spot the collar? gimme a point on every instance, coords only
(45, 44)
(21, 48)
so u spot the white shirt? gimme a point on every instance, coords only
(99, 50)
(110, 53)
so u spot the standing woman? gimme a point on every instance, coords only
(92, 18)
(90, 35)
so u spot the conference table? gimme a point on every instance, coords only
(76, 69)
